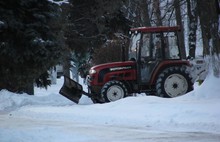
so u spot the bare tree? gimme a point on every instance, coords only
(157, 12)
(138, 12)
(193, 16)
(179, 22)
(145, 18)
(209, 19)
(110, 52)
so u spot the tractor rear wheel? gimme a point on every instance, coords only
(113, 91)
(174, 82)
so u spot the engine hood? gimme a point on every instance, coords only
(115, 66)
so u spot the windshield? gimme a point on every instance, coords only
(172, 51)
(145, 50)
(134, 46)
(160, 45)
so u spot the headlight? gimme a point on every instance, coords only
(92, 71)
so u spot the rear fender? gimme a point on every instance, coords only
(165, 64)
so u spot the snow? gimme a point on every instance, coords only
(59, 2)
(48, 116)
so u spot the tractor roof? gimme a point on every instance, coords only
(156, 29)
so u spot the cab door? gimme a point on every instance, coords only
(150, 54)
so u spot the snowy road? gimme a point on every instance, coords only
(22, 129)
(75, 132)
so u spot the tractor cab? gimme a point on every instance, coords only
(149, 46)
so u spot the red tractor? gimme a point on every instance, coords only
(155, 67)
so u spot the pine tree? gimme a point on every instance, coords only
(30, 41)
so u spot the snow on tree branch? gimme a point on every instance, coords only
(59, 2)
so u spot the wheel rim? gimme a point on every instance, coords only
(175, 85)
(115, 93)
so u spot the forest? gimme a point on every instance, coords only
(36, 35)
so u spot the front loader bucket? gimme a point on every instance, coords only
(71, 89)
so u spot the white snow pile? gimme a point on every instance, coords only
(196, 111)
(59, 2)
(11, 101)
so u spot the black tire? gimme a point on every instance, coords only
(174, 82)
(113, 91)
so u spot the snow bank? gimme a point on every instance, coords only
(10, 101)
(208, 90)
(195, 111)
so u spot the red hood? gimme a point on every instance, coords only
(113, 64)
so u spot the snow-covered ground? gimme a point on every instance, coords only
(48, 116)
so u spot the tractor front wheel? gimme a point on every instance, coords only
(173, 82)
(113, 91)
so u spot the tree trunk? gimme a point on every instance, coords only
(209, 18)
(66, 65)
(205, 28)
(29, 89)
(181, 34)
(157, 12)
(144, 13)
(192, 14)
